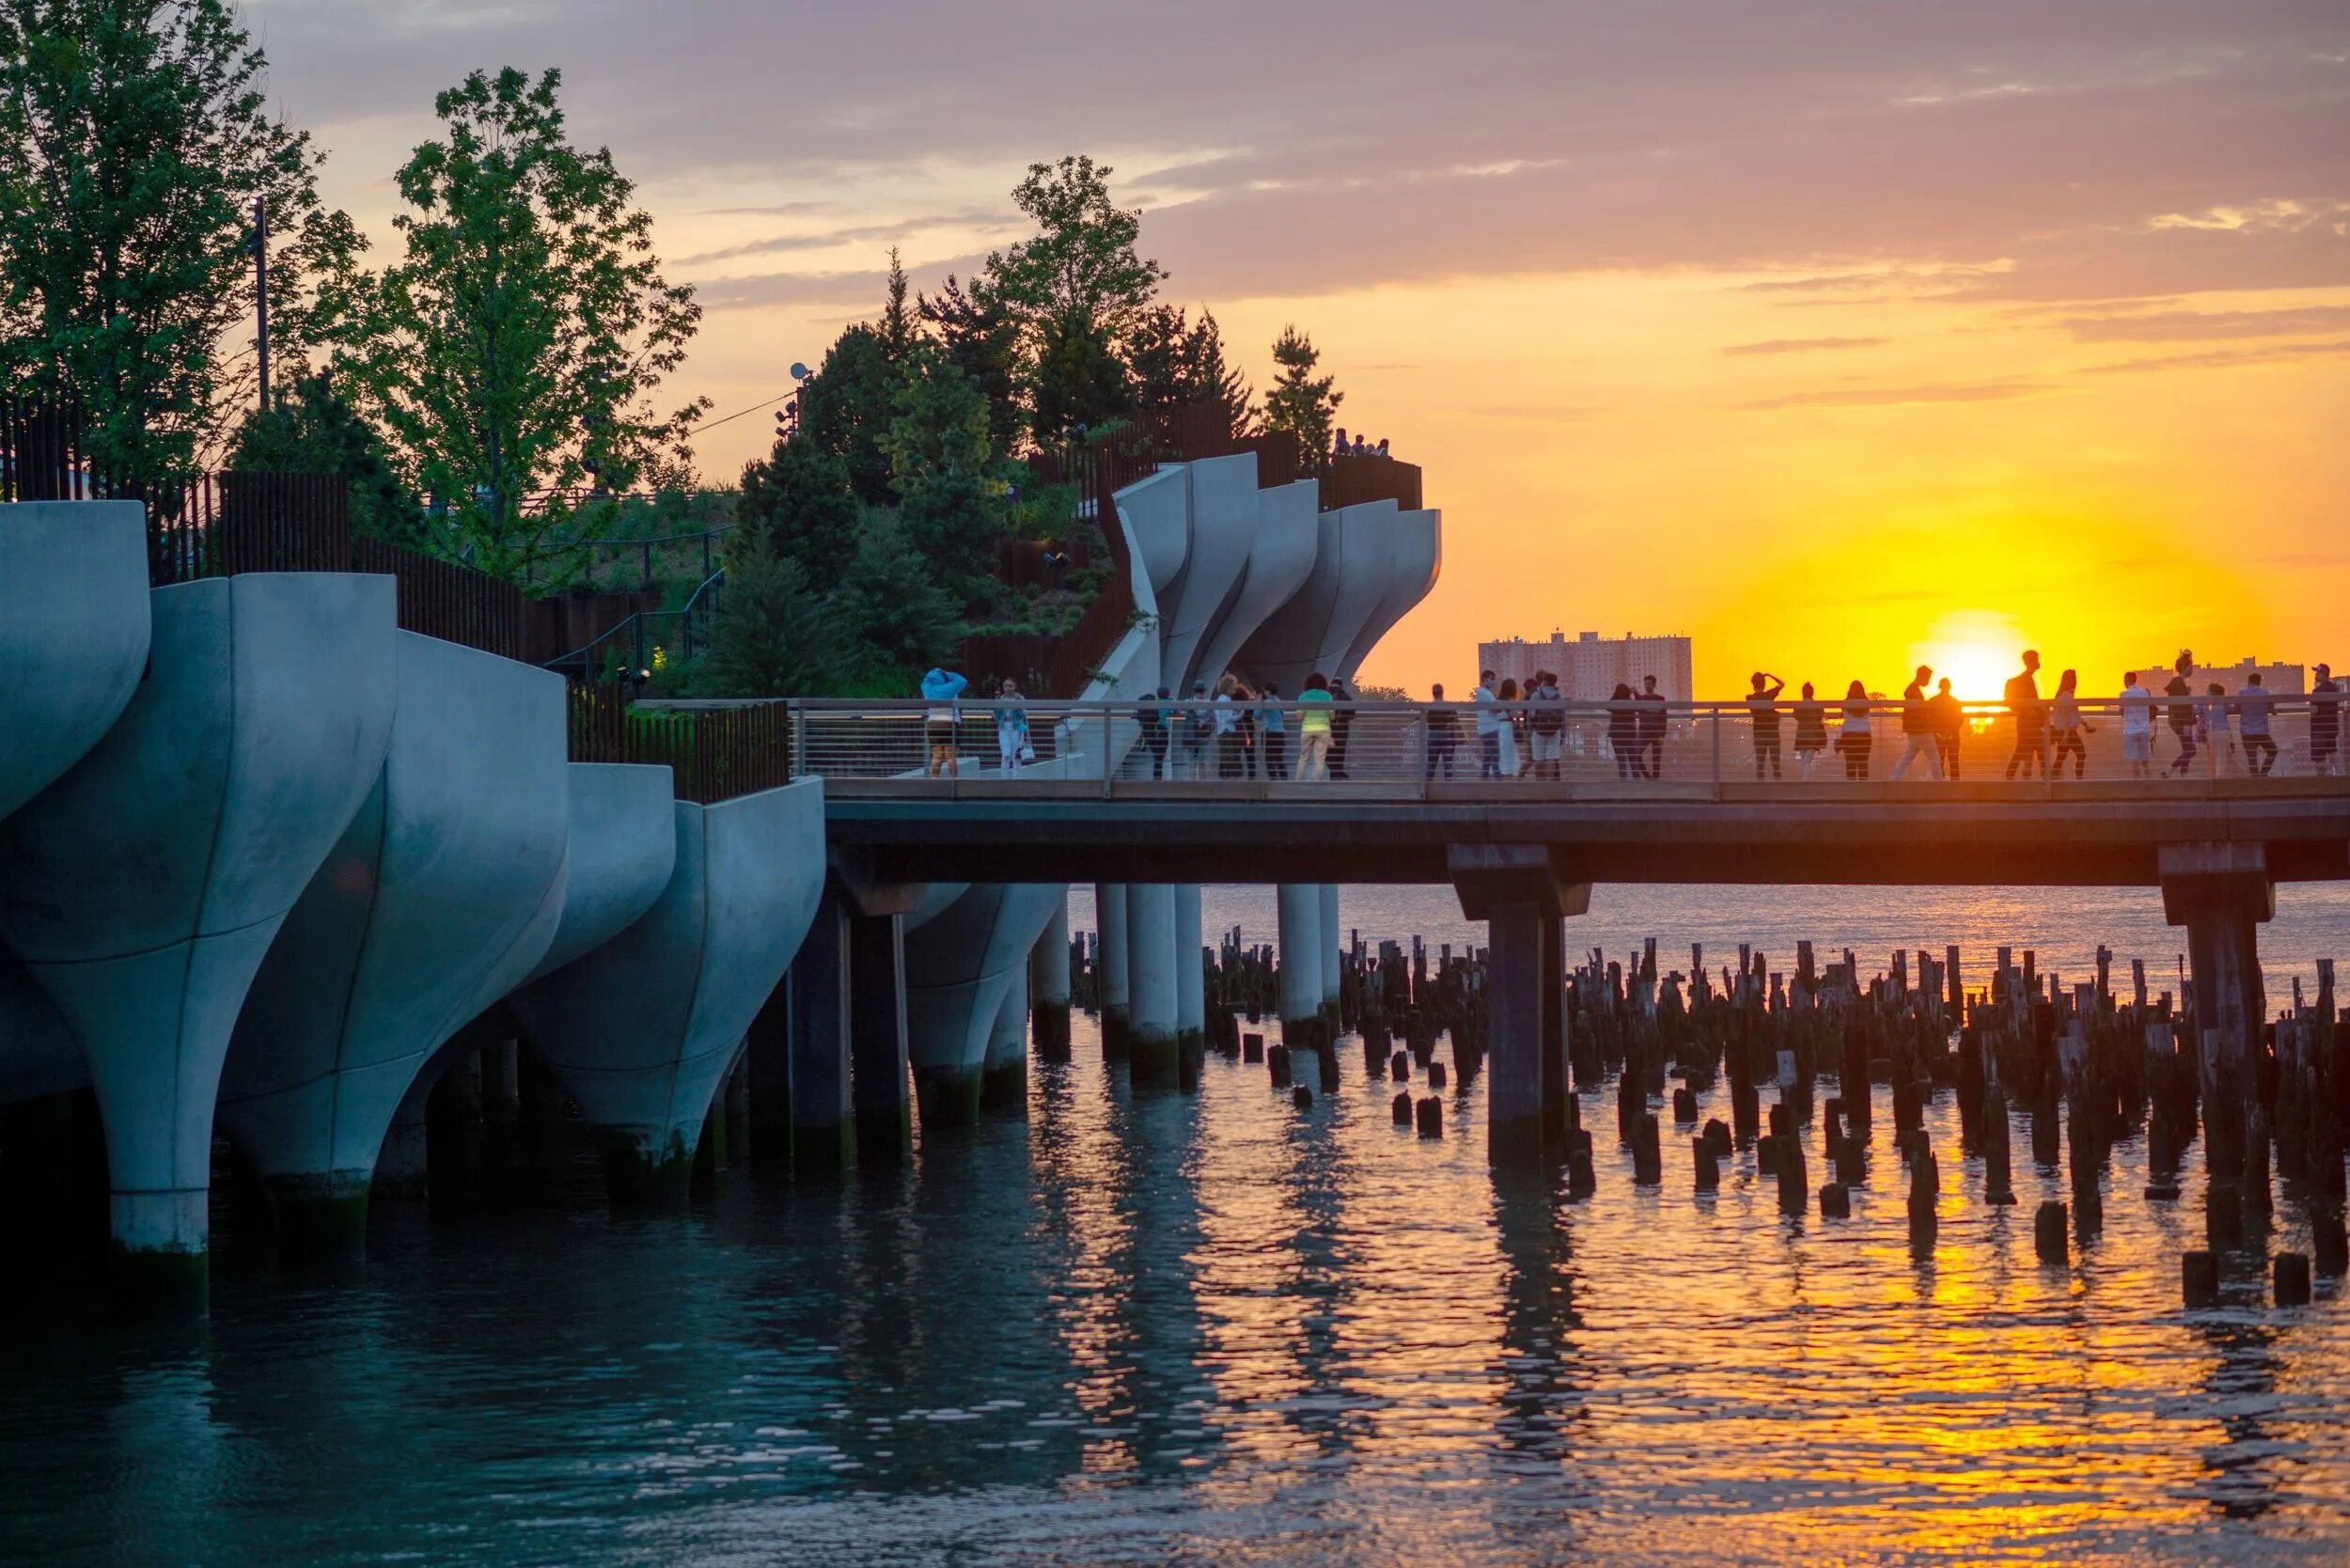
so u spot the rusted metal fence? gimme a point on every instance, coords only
(713, 751)
(42, 455)
(1349, 481)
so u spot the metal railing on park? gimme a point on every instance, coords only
(1683, 750)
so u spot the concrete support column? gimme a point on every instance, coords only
(501, 1104)
(765, 1081)
(1518, 1005)
(1554, 1053)
(1003, 1080)
(1333, 944)
(1109, 926)
(824, 1124)
(1151, 981)
(1191, 979)
(2221, 892)
(1299, 906)
(877, 1038)
(1048, 985)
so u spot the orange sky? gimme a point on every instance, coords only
(1835, 336)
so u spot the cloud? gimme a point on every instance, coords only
(1863, 397)
(2171, 326)
(2219, 359)
(1803, 345)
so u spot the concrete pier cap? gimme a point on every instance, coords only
(75, 630)
(143, 888)
(643, 1028)
(441, 895)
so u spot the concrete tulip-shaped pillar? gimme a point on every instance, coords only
(1332, 946)
(1299, 910)
(1151, 981)
(143, 888)
(442, 893)
(1004, 1082)
(643, 1028)
(73, 632)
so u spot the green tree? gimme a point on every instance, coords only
(1300, 400)
(846, 408)
(135, 139)
(1175, 362)
(1077, 379)
(904, 617)
(774, 634)
(314, 430)
(797, 503)
(954, 500)
(519, 344)
(900, 325)
(980, 338)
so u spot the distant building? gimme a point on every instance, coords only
(2283, 679)
(1591, 667)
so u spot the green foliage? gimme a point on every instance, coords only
(798, 503)
(980, 337)
(1174, 362)
(135, 138)
(774, 633)
(846, 408)
(905, 619)
(955, 503)
(1300, 400)
(518, 345)
(1078, 379)
(314, 430)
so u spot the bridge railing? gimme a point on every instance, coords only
(1639, 748)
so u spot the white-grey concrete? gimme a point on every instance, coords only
(1333, 943)
(1414, 553)
(73, 632)
(442, 893)
(1219, 515)
(1151, 981)
(1156, 512)
(1191, 980)
(623, 846)
(143, 888)
(643, 1028)
(1313, 633)
(1112, 987)
(38, 1053)
(1280, 557)
(1298, 910)
(1004, 1082)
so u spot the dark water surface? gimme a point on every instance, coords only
(1216, 1330)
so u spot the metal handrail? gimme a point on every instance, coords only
(633, 626)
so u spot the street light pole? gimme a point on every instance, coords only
(260, 290)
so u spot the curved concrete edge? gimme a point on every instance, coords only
(1313, 632)
(38, 1053)
(623, 846)
(142, 888)
(1156, 512)
(643, 1028)
(1412, 554)
(1281, 551)
(1223, 516)
(443, 892)
(74, 631)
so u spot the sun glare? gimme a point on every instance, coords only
(1977, 648)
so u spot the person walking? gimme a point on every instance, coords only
(1488, 727)
(1810, 730)
(2182, 712)
(1505, 736)
(1652, 726)
(2138, 727)
(2251, 722)
(1157, 718)
(1950, 726)
(1546, 722)
(2067, 728)
(2031, 720)
(1856, 737)
(1917, 727)
(1444, 734)
(1341, 721)
(2325, 721)
(1011, 728)
(941, 689)
(1313, 729)
(1623, 731)
(1763, 720)
(1273, 729)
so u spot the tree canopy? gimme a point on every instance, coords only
(1301, 400)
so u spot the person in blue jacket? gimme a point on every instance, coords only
(943, 717)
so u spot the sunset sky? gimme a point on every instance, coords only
(1835, 334)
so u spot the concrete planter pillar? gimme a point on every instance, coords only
(1048, 985)
(1003, 1080)
(1299, 907)
(877, 1039)
(824, 1111)
(1109, 926)
(1151, 981)
(73, 632)
(143, 888)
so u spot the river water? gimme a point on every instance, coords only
(1217, 1329)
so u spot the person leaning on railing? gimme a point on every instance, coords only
(1950, 725)
(2324, 720)
(1313, 729)
(1273, 730)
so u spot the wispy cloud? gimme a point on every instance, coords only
(1865, 396)
(2173, 326)
(1803, 345)
(2221, 359)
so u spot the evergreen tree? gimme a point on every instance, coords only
(1077, 379)
(1213, 378)
(980, 338)
(774, 634)
(518, 346)
(904, 618)
(899, 328)
(954, 502)
(798, 504)
(135, 139)
(314, 430)
(846, 408)
(1174, 362)
(1301, 402)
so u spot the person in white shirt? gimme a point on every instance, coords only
(2251, 724)
(2138, 727)
(1229, 760)
(1488, 727)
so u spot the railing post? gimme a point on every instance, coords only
(1717, 751)
(1106, 749)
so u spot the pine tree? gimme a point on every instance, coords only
(1301, 402)
(980, 337)
(899, 328)
(797, 503)
(774, 634)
